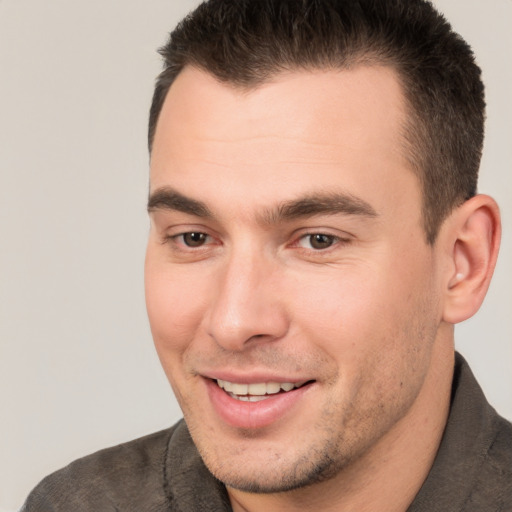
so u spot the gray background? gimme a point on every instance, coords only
(77, 368)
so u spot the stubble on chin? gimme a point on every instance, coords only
(316, 457)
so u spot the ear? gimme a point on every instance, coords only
(472, 235)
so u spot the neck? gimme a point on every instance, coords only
(390, 474)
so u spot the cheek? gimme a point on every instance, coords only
(175, 311)
(362, 314)
(175, 305)
(342, 304)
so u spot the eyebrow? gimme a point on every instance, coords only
(332, 203)
(168, 199)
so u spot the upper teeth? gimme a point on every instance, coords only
(257, 389)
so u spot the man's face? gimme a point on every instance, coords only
(287, 251)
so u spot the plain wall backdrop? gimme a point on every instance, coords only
(78, 371)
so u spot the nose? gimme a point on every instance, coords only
(247, 304)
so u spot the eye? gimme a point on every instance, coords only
(194, 239)
(318, 241)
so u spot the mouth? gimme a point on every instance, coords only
(256, 392)
(257, 404)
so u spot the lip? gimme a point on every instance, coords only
(252, 377)
(253, 415)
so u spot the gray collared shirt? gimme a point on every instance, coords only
(472, 471)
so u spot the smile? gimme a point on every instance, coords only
(257, 404)
(256, 392)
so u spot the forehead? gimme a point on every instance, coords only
(320, 129)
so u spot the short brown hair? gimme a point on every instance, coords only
(245, 42)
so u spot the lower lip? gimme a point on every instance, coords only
(253, 415)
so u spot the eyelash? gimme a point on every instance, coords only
(204, 237)
(180, 244)
(333, 239)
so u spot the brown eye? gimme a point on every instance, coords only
(194, 239)
(318, 241)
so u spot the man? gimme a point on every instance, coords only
(315, 236)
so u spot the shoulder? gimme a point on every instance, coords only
(472, 471)
(494, 481)
(486, 439)
(117, 478)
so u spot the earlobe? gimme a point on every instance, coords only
(473, 239)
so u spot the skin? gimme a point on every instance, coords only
(367, 316)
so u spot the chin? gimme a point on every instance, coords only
(281, 482)
(271, 469)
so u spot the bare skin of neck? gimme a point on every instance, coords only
(390, 474)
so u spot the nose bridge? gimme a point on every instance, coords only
(246, 305)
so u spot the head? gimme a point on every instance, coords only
(247, 43)
(312, 241)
